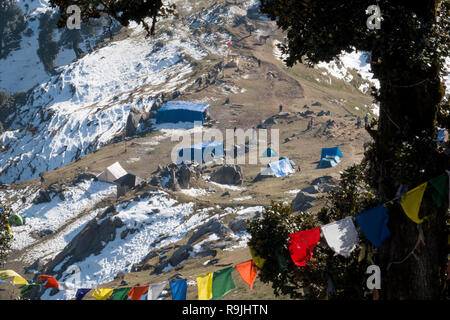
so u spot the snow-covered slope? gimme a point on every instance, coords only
(87, 104)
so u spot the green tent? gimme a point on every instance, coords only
(15, 220)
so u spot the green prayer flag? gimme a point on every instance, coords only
(440, 184)
(223, 283)
(28, 287)
(120, 294)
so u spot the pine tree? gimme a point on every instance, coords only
(5, 237)
(12, 23)
(407, 55)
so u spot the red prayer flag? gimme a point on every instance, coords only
(137, 292)
(248, 272)
(302, 244)
(51, 282)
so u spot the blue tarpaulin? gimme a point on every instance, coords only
(182, 111)
(281, 168)
(201, 152)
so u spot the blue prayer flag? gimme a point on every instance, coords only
(178, 289)
(81, 293)
(373, 224)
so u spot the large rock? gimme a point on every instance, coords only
(182, 253)
(212, 226)
(311, 189)
(184, 175)
(303, 201)
(228, 174)
(42, 197)
(134, 118)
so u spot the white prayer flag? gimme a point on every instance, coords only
(66, 286)
(341, 236)
(155, 289)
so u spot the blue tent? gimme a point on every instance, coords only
(327, 162)
(281, 168)
(182, 111)
(335, 151)
(201, 152)
(270, 153)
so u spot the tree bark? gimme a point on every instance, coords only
(408, 109)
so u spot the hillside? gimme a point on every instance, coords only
(74, 123)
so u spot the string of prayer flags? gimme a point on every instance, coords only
(373, 223)
(411, 202)
(247, 271)
(137, 292)
(222, 283)
(341, 236)
(205, 286)
(440, 185)
(17, 279)
(81, 293)
(155, 289)
(120, 294)
(258, 261)
(50, 282)
(102, 293)
(302, 244)
(178, 289)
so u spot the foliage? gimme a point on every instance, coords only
(12, 23)
(5, 237)
(123, 11)
(48, 48)
(270, 240)
(9, 103)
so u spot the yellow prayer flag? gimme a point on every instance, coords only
(17, 278)
(411, 202)
(9, 230)
(258, 261)
(204, 285)
(102, 294)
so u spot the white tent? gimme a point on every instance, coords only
(112, 173)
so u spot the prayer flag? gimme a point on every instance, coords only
(17, 278)
(28, 287)
(178, 289)
(373, 224)
(120, 294)
(155, 290)
(102, 294)
(81, 293)
(440, 185)
(9, 230)
(222, 283)
(411, 202)
(341, 236)
(302, 244)
(50, 281)
(137, 292)
(205, 286)
(258, 261)
(248, 272)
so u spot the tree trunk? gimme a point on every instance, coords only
(408, 109)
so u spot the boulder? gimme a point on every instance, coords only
(212, 226)
(134, 117)
(182, 253)
(311, 189)
(42, 197)
(303, 201)
(183, 176)
(228, 174)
